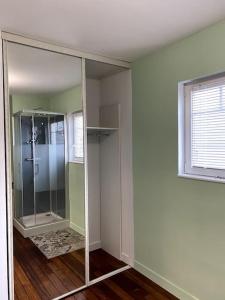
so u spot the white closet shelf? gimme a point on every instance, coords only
(100, 130)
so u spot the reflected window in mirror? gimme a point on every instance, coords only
(76, 137)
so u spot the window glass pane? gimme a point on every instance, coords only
(208, 127)
(78, 151)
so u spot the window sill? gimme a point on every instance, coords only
(202, 178)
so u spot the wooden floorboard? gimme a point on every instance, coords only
(128, 285)
(102, 263)
(39, 278)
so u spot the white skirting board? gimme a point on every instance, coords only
(77, 228)
(95, 245)
(163, 282)
(126, 258)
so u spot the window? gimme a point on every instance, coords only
(203, 129)
(57, 132)
(76, 144)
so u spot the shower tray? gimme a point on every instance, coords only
(44, 222)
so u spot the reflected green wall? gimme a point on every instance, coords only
(67, 102)
(179, 223)
(20, 102)
(76, 196)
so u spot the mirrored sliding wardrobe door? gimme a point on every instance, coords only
(45, 116)
(106, 98)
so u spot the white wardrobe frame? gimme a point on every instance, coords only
(6, 214)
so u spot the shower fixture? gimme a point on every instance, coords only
(39, 171)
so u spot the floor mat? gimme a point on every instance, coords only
(55, 243)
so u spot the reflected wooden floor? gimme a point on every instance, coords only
(37, 277)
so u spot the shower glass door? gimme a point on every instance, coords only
(27, 172)
(18, 168)
(49, 168)
(57, 166)
(39, 168)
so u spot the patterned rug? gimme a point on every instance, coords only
(55, 243)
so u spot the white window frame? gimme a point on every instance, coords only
(71, 138)
(184, 132)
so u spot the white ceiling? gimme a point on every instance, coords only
(124, 29)
(36, 71)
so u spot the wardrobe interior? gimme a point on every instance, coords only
(107, 106)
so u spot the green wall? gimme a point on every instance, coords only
(67, 102)
(76, 197)
(20, 102)
(179, 223)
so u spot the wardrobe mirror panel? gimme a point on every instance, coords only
(46, 119)
(103, 106)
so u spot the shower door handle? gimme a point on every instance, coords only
(31, 159)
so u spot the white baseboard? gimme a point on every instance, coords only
(77, 228)
(95, 245)
(163, 282)
(125, 258)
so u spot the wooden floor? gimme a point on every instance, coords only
(128, 285)
(102, 263)
(37, 277)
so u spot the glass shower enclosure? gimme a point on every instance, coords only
(39, 167)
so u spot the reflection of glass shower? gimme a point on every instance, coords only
(39, 167)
